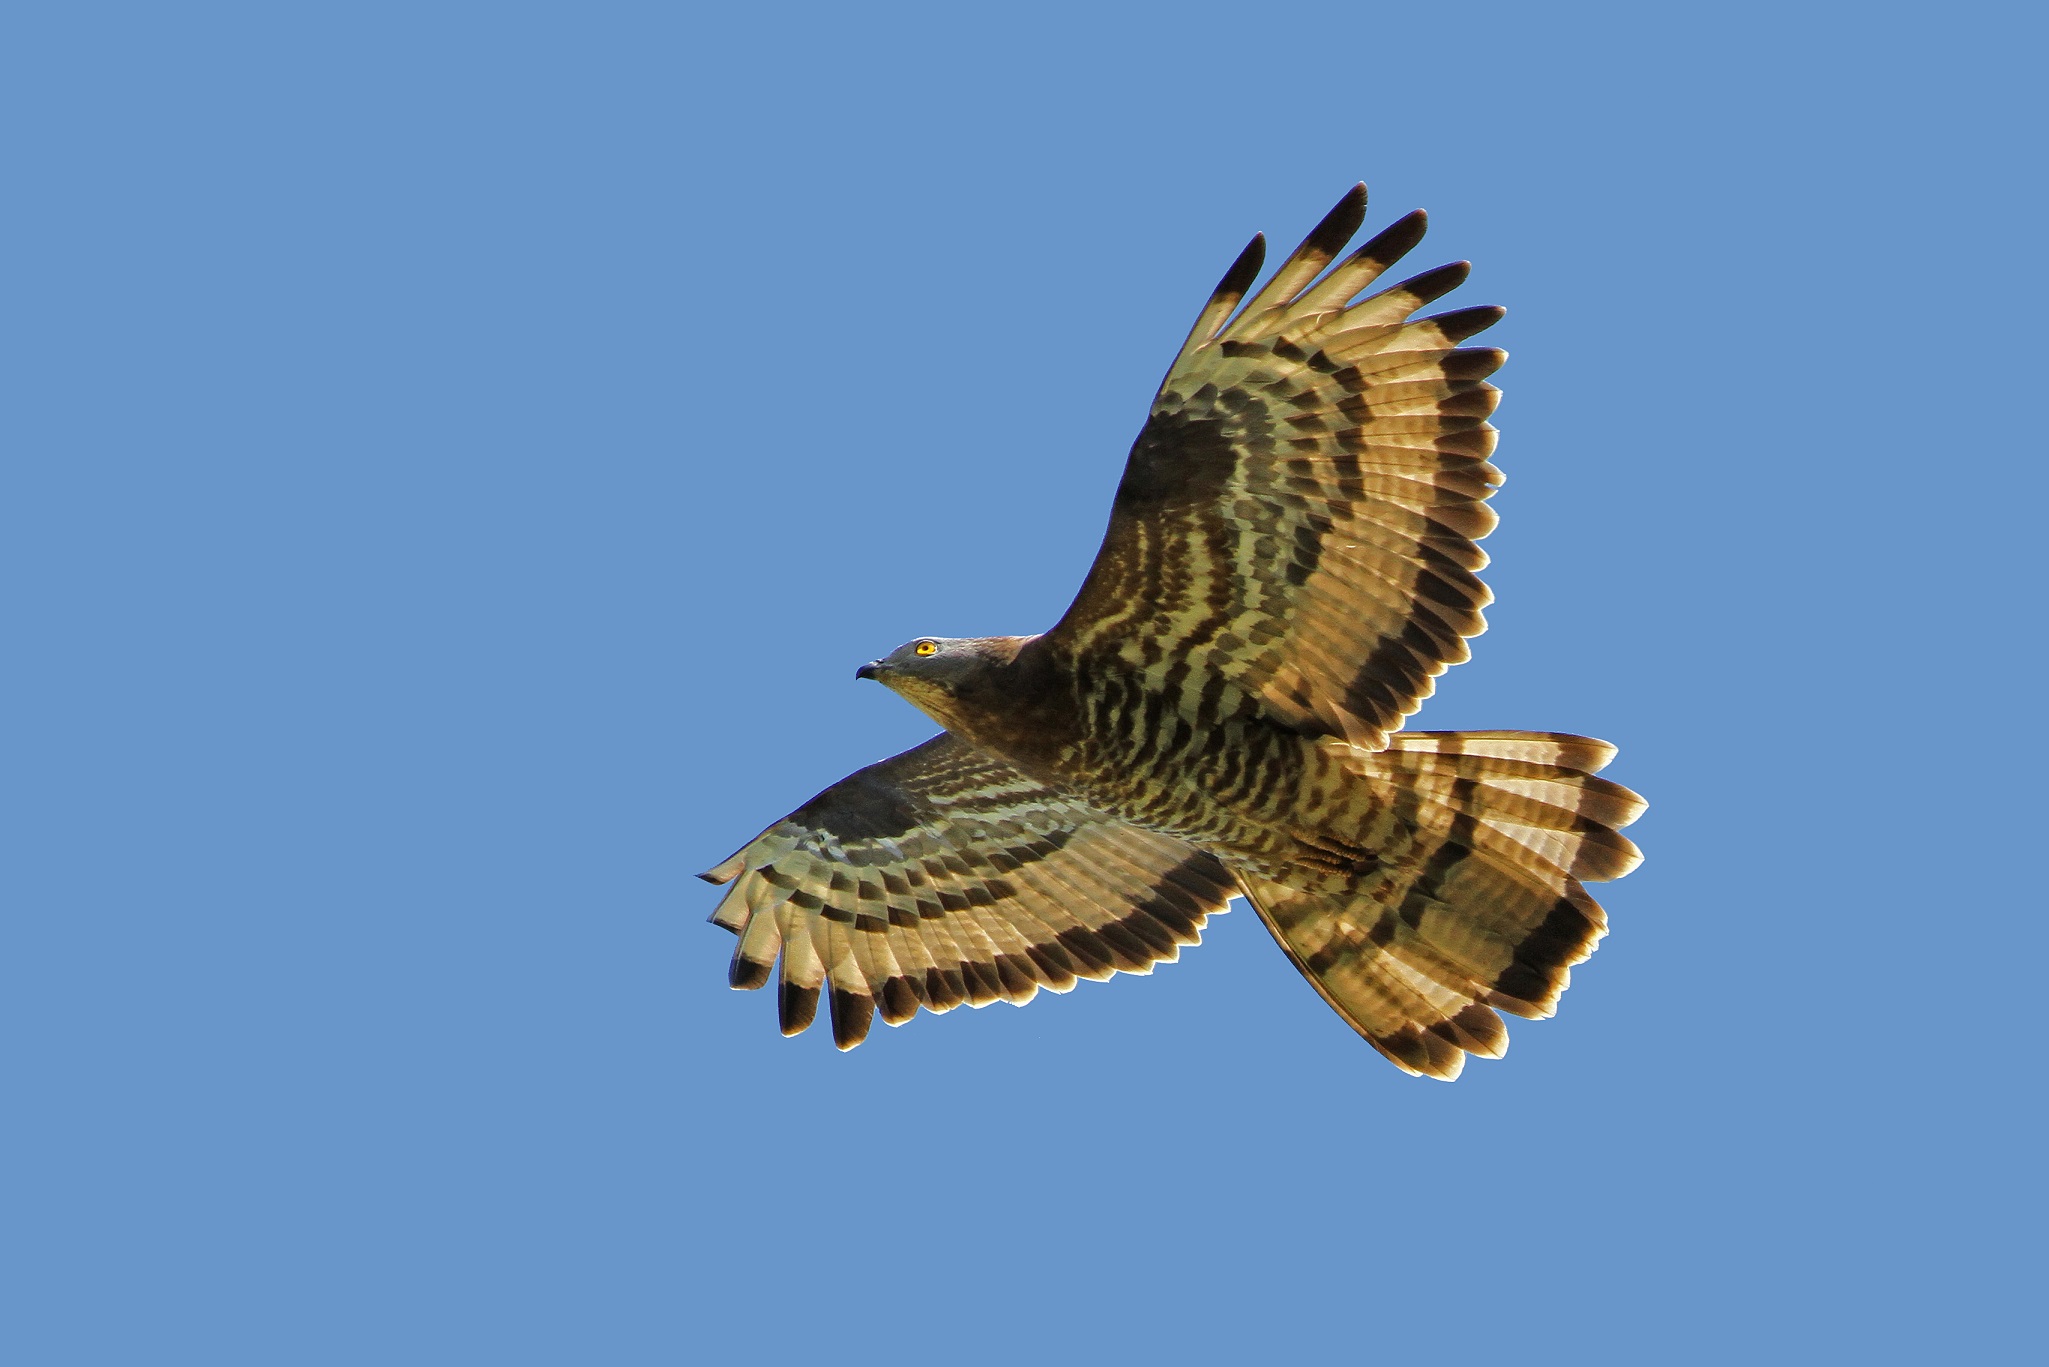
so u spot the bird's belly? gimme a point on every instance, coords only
(1266, 801)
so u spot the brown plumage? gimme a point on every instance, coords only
(1290, 561)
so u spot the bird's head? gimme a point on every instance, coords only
(937, 674)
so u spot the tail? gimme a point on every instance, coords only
(1474, 903)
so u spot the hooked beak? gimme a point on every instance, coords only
(871, 670)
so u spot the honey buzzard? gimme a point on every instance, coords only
(1290, 561)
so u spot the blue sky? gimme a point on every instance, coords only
(461, 452)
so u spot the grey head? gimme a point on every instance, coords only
(936, 672)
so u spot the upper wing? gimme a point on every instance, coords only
(1295, 530)
(945, 875)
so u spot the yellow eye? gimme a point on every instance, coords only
(925, 648)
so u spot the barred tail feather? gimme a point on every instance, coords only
(1534, 804)
(1478, 908)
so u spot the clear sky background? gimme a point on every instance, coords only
(457, 456)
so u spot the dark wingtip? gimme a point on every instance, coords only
(1397, 239)
(1475, 364)
(852, 1015)
(899, 1001)
(796, 1007)
(711, 877)
(1329, 237)
(744, 975)
(1433, 284)
(1243, 271)
(1460, 324)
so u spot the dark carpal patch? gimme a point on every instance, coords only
(1176, 461)
(865, 805)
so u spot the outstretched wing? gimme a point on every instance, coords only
(1295, 530)
(945, 875)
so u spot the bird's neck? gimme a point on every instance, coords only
(1020, 707)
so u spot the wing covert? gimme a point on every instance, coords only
(945, 875)
(1295, 531)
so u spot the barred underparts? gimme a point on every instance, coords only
(1291, 560)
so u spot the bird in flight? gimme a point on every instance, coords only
(1290, 561)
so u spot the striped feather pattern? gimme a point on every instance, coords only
(1482, 909)
(1292, 557)
(1295, 533)
(945, 876)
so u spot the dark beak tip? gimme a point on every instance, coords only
(866, 671)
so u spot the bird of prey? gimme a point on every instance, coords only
(1290, 561)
